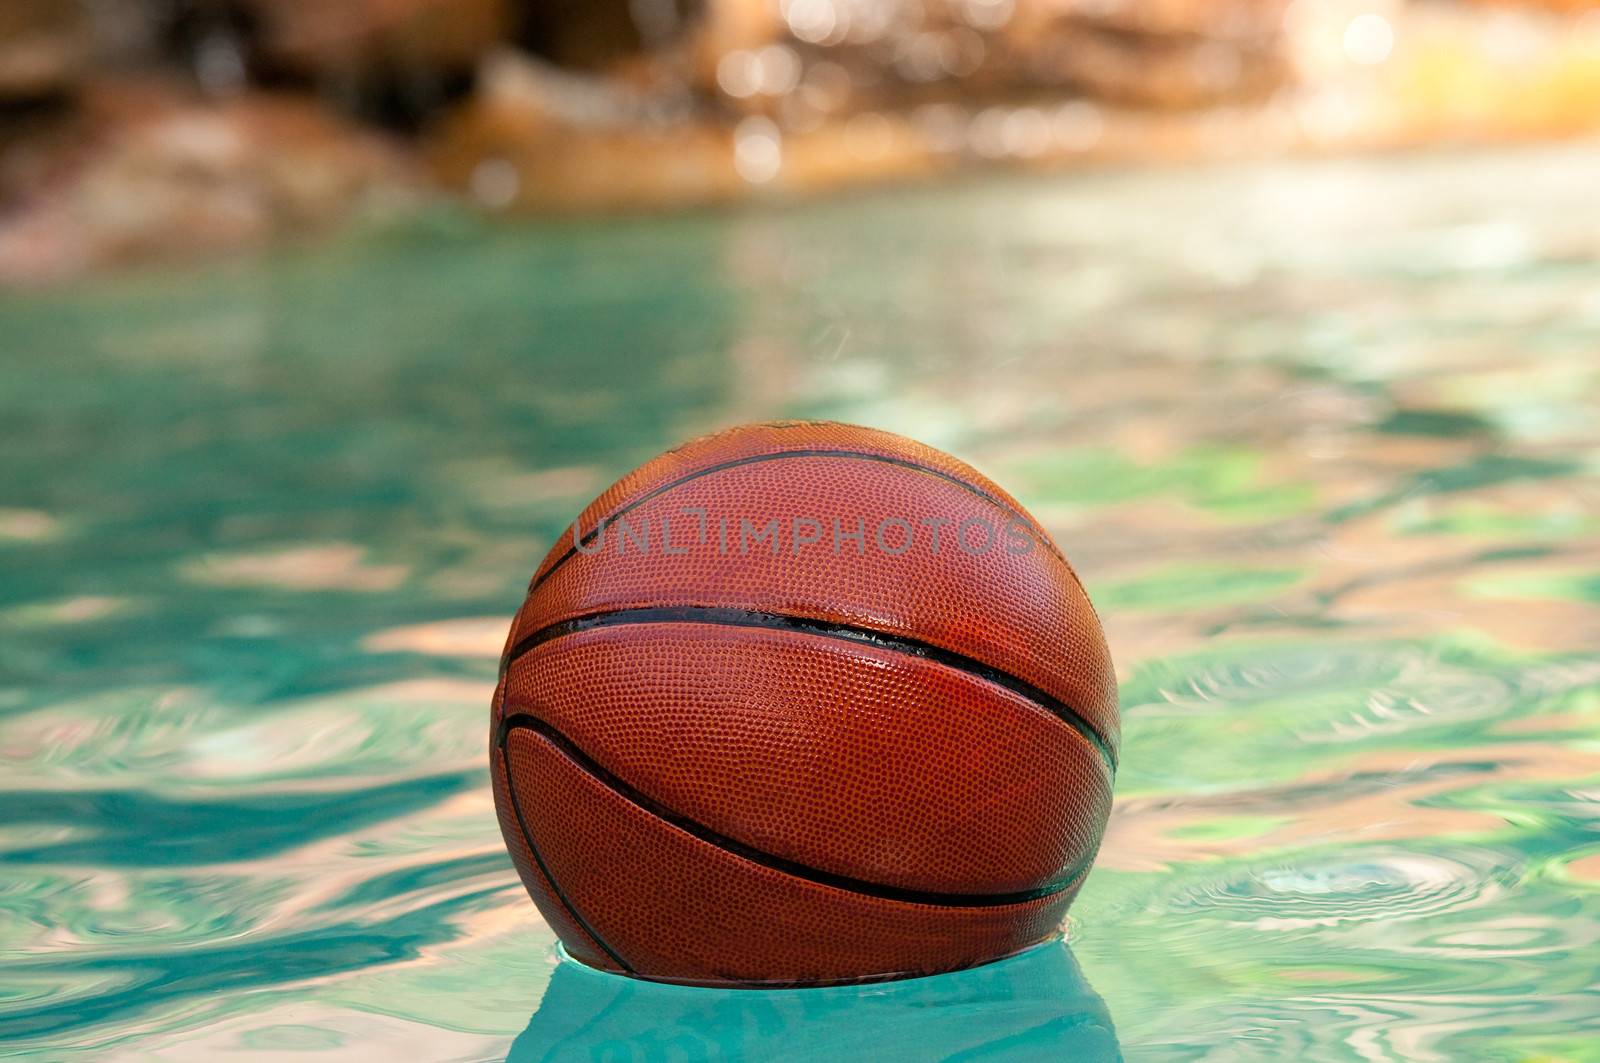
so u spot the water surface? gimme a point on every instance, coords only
(1323, 440)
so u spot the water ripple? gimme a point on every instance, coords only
(1387, 884)
(136, 829)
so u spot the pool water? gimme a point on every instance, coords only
(1322, 438)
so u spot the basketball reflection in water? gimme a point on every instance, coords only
(1033, 1006)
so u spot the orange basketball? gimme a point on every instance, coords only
(803, 703)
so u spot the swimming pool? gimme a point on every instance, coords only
(1322, 438)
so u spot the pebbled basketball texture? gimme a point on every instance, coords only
(814, 757)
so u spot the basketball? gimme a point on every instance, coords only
(801, 704)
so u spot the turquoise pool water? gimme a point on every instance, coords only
(1323, 440)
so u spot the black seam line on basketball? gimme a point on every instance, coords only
(859, 455)
(523, 721)
(544, 869)
(689, 614)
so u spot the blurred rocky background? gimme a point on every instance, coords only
(132, 129)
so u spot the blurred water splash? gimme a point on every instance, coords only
(1321, 437)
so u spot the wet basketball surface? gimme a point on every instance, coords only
(1322, 439)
